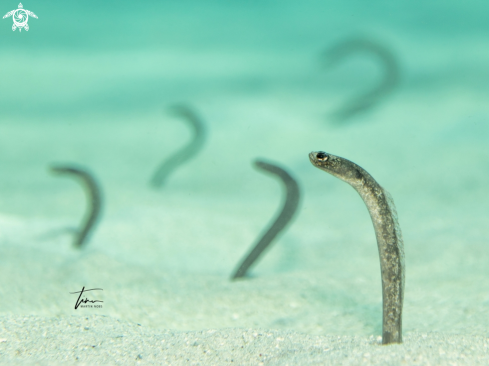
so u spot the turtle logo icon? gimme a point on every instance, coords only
(20, 16)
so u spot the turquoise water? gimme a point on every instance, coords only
(90, 83)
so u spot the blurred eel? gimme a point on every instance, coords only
(388, 83)
(92, 190)
(188, 151)
(389, 238)
(288, 210)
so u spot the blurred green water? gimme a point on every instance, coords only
(81, 57)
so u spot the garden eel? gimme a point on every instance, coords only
(93, 195)
(386, 85)
(389, 239)
(185, 153)
(289, 208)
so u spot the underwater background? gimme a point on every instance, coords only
(91, 83)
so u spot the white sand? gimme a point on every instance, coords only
(105, 340)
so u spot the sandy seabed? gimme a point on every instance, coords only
(105, 340)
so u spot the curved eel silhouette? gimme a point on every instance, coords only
(187, 152)
(92, 190)
(388, 83)
(288, 210)
(389, 238)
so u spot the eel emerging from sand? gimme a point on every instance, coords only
(389, 239)
(188, 151)
(94, 198)
(289, 208)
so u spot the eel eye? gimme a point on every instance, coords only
(322, 156)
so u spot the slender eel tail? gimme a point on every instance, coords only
(289, 208)
(389, 238)
(188, 151)
(94, 200)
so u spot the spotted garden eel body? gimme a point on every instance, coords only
(289, 208)
(94, 197)
(386, 86)
(188, 151)
(389, 238)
